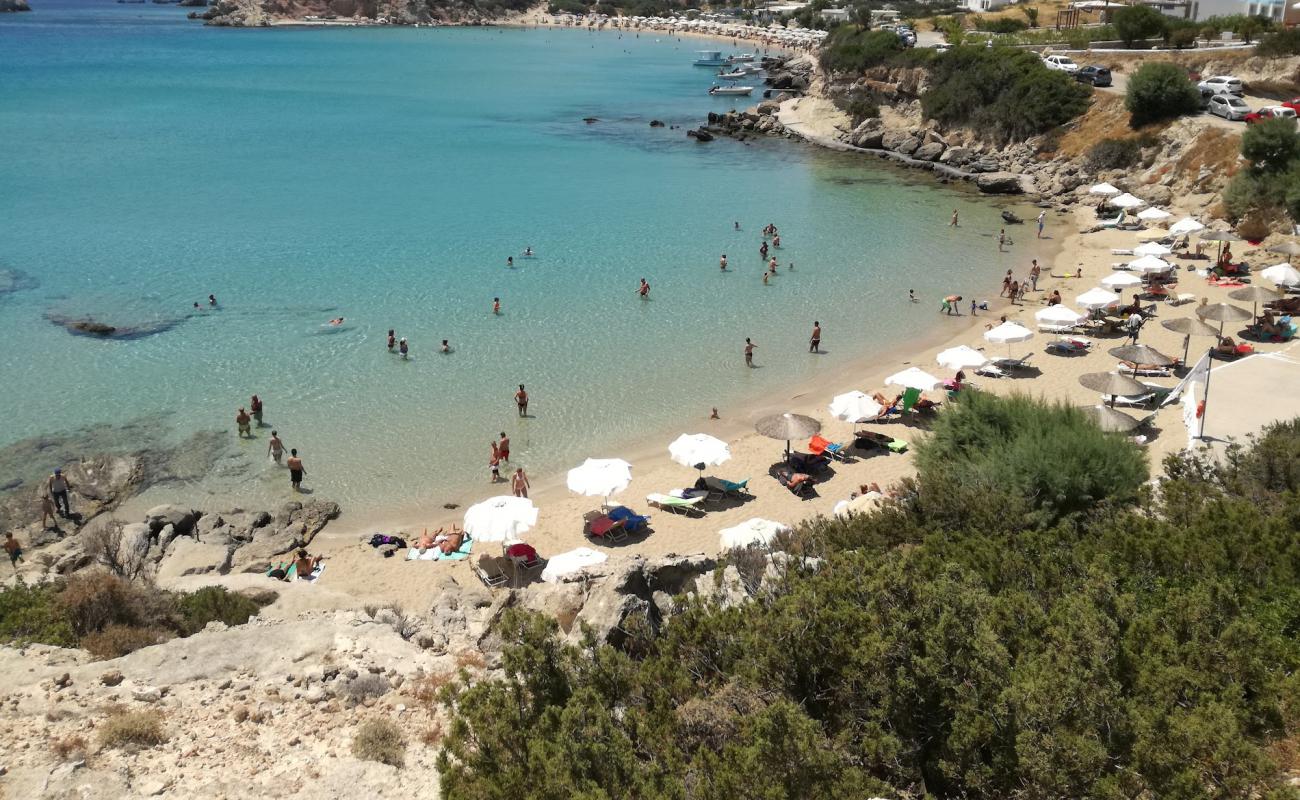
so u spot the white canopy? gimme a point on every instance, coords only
(500, 518)
(1119, 280)
(1097, 298)
(961, 357)
(1282, 275)
(914, 378)
(854, 407)
(1103, 188)
(691, 449)
(1008, 333)
(572, 562)
(1127, 200)
(1149, 264)
(1059, 315)
(1151, 249)
(1186, 225)
(600, 477)
(861, 504)
(754, 531)
(1152, 214)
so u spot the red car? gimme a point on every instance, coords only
(1271, 112)
(1293, 104)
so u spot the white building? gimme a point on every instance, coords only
(835, 14)
(1204, 9)
(985, 5)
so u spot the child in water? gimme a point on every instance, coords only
(402, 348)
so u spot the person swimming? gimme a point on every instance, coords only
(337, 321)
(528, 252)
(392, 340)
(510, 261)
(403, 349)
(446, 348)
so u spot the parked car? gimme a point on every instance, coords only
(1061, 64)
(1271, 112)
(1228, 106)
(1097, 76)
(942, 47)
(1222, 84)
(1294, 103)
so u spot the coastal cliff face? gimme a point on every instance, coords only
(14, 5)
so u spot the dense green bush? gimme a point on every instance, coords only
(1008, 93)
(1279, 45)
(1271, 186)
(1001, 24)
(1135, 23)
(850, 48)
(1112, 154)
(1120, 652)
(1182, 38)
(1271, 146)
(1159, 91)
(110, 616)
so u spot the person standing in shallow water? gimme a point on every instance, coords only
(275, 449)
(242, 421)
(496, 305)
(521, 401)
(519, 483)
(296, 471)
(392, 340)
(815, 343)
(722, 262)
(749, 353)
(256, 405)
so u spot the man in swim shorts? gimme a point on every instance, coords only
(504, 446)
(242, 420)
(521, 401)
(296, 470)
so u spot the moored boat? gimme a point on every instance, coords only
(710, 58)
(733, 76)
(731, 90)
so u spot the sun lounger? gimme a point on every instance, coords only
(820, 446)
(677, 505)
(869, 440)
(991, 371)
(631, 521)
(808, 462)
(1132, 400)
(726, 487)
(1143, 370)
(1120, 251)
(1014, 363)
(489, 571)
(604, 529)
(1047, 327)
(1069, 346)
(797, 482)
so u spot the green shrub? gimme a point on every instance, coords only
(851, 49)
(116, 641)
(1031, 15)
(33, 614)
(379, 740)
(214, 604)
(1113, 154)
(1279, 45)
(1160, 91)
(140, 728)
(1001, 25)
(1008, 93)
(1134, 23)
(1182, 38)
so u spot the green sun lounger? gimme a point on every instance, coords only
(677, 505)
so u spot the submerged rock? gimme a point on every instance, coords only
(89, 326)
(14, 5)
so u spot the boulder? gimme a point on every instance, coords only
(606, 614)
(892, 139)
(908, 146)
(998, 183)
(871, 140)
(180, 518)
(14, 5)
(930, 151)
(956, 156)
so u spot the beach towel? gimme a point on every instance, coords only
(910, 396)
(315, 574)
(434, 554)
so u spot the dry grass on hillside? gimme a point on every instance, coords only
(1106, 118)
(1214, 149)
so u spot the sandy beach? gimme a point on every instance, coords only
(358, 574)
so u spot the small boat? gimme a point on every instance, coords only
(733, 76)
(740, 58)
(710, 58)
(1010, 218)
(700, 135)
(591, 120)
(725, 91)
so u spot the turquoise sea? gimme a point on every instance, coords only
(384, 175)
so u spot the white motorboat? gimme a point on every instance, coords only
(740, 58)
(731, 90)
(733, 76)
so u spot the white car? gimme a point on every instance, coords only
(1061, 64)
(1228, 106)
(1221, 84)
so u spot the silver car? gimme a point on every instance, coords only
(1221, 84)
(1228, 107)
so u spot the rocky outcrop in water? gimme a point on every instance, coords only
(14, 5)
(89, 326)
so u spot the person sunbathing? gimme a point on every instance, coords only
(426, 540)
(451, 542)
(306, 564)
(1268, 325)
(1227, 347)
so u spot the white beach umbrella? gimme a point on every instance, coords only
(754, 531)
(1059, 315)
(600, 477)
(1148, 265)
(862, 504)
(914, 378)
(572, 562)
(1120, 280)
(499, 518)
(1153, 214)
(1185, 225)
(698, 450)
(855, 407)
(1008, 333)
(1127, 200)
(1281, 275)
(1097, 298)
(1103, 188)
(961, 357)
(1151, 249)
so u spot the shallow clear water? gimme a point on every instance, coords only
(384, 175)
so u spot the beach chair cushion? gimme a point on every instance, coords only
(631, 520)
(670, 503)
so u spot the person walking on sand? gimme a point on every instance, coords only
(496, 306)
(503, 445)
(1006, 284)
(1014, 293)
(14, 549)
(256, 406)
(953, 223)
(1002, 239)
(722, 262)
(57, 487)
(815, 342)
(521, 401)
(519, 483)
(1034, 272)
(242, 421)
(749, 353)
(275, 449)
(296, 471)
